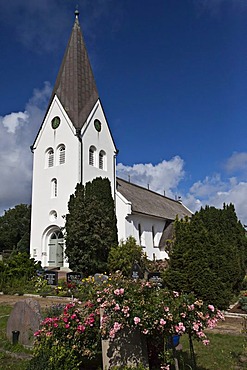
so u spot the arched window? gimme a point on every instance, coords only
(102, 162)
(61, 155)
(92, 150)
(50, 157)
(54, 188)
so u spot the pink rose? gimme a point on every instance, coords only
(137, 320)
(211, 307)
(81, 328)
(162, 322)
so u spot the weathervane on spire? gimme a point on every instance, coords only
(77, 11)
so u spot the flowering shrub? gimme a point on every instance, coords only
(67, 289)
(40, 283)
(153, 309)
(158, 313)
(68, 337)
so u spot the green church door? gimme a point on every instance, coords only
(56, 249)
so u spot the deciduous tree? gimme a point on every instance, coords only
(15, 228)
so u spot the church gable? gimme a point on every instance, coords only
(99, 149)
(55, 122)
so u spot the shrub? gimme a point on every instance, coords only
(17, 272)
(157, 313)
(243, 303)
(65, 339)
(123, 256)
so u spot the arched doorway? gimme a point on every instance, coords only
(56, 247)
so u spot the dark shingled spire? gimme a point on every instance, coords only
(75, 85)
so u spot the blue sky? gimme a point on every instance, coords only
(172, 77)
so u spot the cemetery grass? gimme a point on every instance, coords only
(223, 352)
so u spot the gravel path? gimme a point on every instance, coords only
(44, 302)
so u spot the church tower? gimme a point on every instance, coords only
(74, 144)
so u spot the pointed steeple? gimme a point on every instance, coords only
(75, 85)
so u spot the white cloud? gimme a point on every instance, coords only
(209, 185)
(17, 133)
(13, 120)
(213, 190)
(164, 176)
(237, 162)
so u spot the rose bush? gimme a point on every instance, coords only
(69, 337)
(158, 313)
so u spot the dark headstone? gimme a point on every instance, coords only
(155, 277)
(25, 318)
(74, 277)
(51, 277)
(136, 272)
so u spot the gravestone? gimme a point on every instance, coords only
(136, 272)
(155, 277)
(51, 277)
(128, 348)
(25, 318)
(74, 277)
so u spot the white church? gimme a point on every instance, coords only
(74, 145)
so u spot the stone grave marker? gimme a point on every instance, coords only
(128, 348)
(136, 272)
(155, 277)
(25, 318)
(51, 277)
(74, 277)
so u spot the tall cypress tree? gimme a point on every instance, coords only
(209, 255)
(91, 227)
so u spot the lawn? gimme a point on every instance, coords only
(222, 353)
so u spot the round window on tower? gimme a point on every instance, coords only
(55, 122)
(97, 125)
(53, 215)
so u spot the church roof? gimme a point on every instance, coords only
(75, 85)
(147, 202)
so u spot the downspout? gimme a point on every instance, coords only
(115, 176)
(78, 134)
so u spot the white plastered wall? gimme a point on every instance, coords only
(67, 175)
(127, 224)
(102, 141)
(75, 169)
